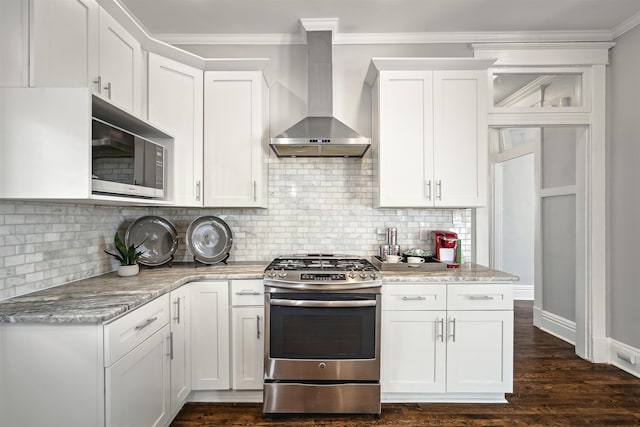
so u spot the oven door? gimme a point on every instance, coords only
(322, 337)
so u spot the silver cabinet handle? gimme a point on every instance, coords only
(248, 293)
(170, 338)
(439, 189)
(427, 187)
(177, 303)
(255, 190)
(107, 88)
(258, 326)
(441, 334)
(480, 297)
(146, 323)
(452, 323)
(416, 298)
(333, 304)
(98, 82)
(198, 190)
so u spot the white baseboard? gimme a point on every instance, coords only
(522, 291)
(225, 396)
(625, 357)
(555, 325)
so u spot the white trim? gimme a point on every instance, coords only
(544, 54)
(539, 119)
(463, 37)
(628, 25)
(567, 190)
(225, 396)
(555, 325)
(443, 397)
(231, 39)
(319, 24)
(523, 292)
(515, 152)
(624, 357)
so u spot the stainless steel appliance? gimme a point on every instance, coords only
(320, 134)
(125, 164)
(322, 335)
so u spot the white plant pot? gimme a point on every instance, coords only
(128, 270)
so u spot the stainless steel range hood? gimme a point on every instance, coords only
(320, 134)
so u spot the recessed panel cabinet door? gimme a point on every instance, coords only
(480, 351)
(460, 134)
(175, 105)
(413, 352)
(210, 335)
(235, 136)
(137, 385)
(248, 347)
(180, 347)
(406, 135)
(120, 65)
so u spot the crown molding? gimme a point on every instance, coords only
(627, 25)
(385, 38)
(232, 39)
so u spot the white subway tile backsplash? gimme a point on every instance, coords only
(315, 205)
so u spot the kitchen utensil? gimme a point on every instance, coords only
(157, 237)
(209, 239)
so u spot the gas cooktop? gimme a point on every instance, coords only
(317, 268)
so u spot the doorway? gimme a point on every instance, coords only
(539, 220)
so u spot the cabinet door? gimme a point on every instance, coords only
(137, 385)
(209, 335)
(406, 138)
(235, 139)
(413, 351)
(181, 347)
(120, 65)
(480, 351)
(460, 138)
(175, 105)
(248, 347)
(63, 43)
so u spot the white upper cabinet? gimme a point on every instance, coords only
(63, 42)
(70, 43)
(429, 132)
(176, 105)
(119, 78)
(236, 136)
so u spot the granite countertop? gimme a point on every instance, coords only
(100, 299)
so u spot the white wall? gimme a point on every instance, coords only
(623, 186)
(518, 213)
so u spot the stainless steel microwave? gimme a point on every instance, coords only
(125, 164)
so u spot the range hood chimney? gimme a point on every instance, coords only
(320, 134)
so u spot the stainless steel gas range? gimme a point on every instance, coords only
(322, 335)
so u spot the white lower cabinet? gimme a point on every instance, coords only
(137, 367)
(137, 385)
(247, 325)
(210, 335)
(180, 352)
(447, 339)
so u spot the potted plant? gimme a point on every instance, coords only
(128, 257)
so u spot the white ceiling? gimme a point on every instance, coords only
(480, 20)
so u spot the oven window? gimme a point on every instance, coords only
(322, 333)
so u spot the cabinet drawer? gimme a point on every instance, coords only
(247, 292)
(480, 296)
(403, 296)
(124, 334)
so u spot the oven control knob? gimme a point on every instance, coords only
(282, 274)
(374, 276)
(272, 274)
(352, 274)
(363, 275)
(322, 365)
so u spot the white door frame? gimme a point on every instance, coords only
(591, 301)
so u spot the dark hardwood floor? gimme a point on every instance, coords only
(552, 387)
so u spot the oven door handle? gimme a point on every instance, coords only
(331, 304)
